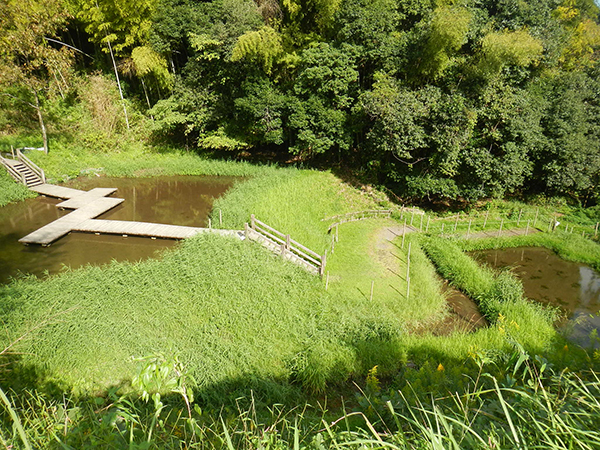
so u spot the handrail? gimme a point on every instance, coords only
(31, 165)
(19, 177)
(287, 244)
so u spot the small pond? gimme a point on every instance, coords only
(180, 200)
(548, 279)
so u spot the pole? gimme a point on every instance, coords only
(537, 210)
(209, 223)
(327, 281)
(596, 230)
(442, 233)
(412, 216)
(501, 225)
(519, 219)
(220, 218)
(469, 230)
(487, 213)
(337, 236)
(408, 272)
(403, 233)
(427, 227)
(527, 229)
(456, 222)
(421, 224)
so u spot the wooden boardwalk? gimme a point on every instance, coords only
(146, 229)
(51, 190)
(91, 204)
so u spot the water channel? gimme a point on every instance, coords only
(181, 200)
(546, 278)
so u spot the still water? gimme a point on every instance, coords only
(170, 200)
(546, 278)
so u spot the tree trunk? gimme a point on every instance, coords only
(38, 108)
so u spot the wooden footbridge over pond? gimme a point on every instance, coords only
(86, 206)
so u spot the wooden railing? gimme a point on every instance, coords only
(284, 245)
(13, 173)
(31, 165)
(359, 215)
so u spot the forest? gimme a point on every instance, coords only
(437, 100)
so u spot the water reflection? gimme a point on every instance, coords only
(170, 200)
(546, 278)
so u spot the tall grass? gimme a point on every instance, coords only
(10, 190)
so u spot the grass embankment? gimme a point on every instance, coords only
(10, 191)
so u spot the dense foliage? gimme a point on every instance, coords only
(435, 99)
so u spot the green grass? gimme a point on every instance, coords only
(11, 191)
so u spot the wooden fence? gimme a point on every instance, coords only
(359, 215)
(284, 245)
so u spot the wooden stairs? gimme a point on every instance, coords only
(23, 170)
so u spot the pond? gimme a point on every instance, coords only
(546, 278)
(179, 200)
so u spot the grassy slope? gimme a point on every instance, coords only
(11, 191)
(222, 306)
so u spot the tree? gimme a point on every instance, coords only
(28, 63)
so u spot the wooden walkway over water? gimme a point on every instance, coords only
(91, 204)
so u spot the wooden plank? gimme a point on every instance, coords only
(51, 190)
(85, 198)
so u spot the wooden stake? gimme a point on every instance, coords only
(487, 213)
(469, 230)
(403, 233)
(501, 225)
(337, 235)
(220, 218)
(596, 230)
(372, 285)
(412, 216)
(519, 219)
(287, 241)
(537, 211)
(527, 229)
(252, 224)
(246, 230)
(456, 222)
(442, 233)
(427, 227)
(408, 272)
(421, 225)
(209, 223)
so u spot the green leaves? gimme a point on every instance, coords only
(263, 46)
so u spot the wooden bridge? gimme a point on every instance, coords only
(86, 206)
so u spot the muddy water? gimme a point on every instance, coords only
(170, 200)
(546, 278)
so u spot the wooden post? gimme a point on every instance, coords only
(596, 230)
(408, 273)
(487, 213)
(337, 236)
(583, 234)
(456, 222)
(469, 230)
(209, 223)
(572, 228)
(252, 223)
(427, 227)
(327, 281)
(246, 230)
(220, 218)
(519, 219)
(282, 250)
(372, 285)
(412, 216)
(537, 211)
(421, 224)
(12, 151)
(287, 241)
(442, 232)
(527, 229)
(403, 233)
(501, 225)
(323, 263)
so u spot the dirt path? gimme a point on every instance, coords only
(384, 246)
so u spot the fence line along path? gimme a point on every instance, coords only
(285, 246)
